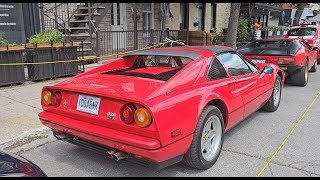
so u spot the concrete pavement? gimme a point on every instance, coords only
(19, 108)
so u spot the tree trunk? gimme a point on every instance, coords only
(298, 14)
(231, 37)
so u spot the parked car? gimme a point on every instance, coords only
(310, 33)
(12, 165)
(295, 56)
(161, 106)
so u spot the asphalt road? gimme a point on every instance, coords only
(246, 150)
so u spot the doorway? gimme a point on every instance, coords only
(118, 24)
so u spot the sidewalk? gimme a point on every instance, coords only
(19, 108)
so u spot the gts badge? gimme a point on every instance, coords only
(111, 116)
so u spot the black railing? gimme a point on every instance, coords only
(114, 42)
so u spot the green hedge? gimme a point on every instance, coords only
(4, 42)
(47, 37)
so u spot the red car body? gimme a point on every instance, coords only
(175, 104)
(292, 55)
(310, 33)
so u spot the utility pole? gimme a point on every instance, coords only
(135, 27)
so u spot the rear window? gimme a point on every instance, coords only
(159, 67)
(308, 31)
(161, 61)
(267, 44)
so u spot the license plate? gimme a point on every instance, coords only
(284, 68)
(88, 104)
(258, 60)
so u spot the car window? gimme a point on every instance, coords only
(309, 31)
(272, 44)
(252, 66)
(216, 70)
(161, 61)
(234, 64)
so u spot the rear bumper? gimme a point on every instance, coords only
(144, 147)
(290, 69)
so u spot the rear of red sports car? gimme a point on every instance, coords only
(160, 106)
(111, 108)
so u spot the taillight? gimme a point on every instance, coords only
(286, 60)
(56, 99)
(46, 97)
(51, 98)
(127, 113)
(309, 41)
(142, 117)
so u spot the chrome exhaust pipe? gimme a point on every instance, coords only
(63, 137)
(110, 153)
(120, 155)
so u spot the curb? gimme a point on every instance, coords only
(28, 141)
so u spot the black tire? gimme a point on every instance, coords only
(194, 157)
(298, 78)
(318, 61)
(271, 106)
(314, 67)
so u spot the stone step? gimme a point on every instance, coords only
(81, 21)
(80, 35)
(97, 7)
(77, 28)
(87, 14)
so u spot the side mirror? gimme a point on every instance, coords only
(315, 49)
(267, 70)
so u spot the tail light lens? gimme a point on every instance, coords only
(56, 99)
(127, 113)
(309, 41)
(46, 97)
(142, 117)
(286, 60)
(51, 98)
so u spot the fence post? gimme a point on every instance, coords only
(187, 37)
(135, 26)
(56, 15)
(42, 17)
(151, 36)
(90, 25)
(167, 33)
(97, 43)
(52, 52)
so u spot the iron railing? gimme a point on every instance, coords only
(114, 42)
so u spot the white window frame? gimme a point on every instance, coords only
(146, 34)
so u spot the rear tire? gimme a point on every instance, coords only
(207, 140)
(274, 101)
(301, 77)
(314, 67)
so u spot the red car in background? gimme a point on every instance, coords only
(310, 33)
(295, 56)
(161, 106)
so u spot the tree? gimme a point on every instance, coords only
(297, 16)
(231, 37)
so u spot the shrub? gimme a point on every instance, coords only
(244, 33)
(47, 37)
(4, 42)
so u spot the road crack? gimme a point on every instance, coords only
(309, 173)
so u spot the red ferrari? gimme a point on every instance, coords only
(161, 106)
(295, 56)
